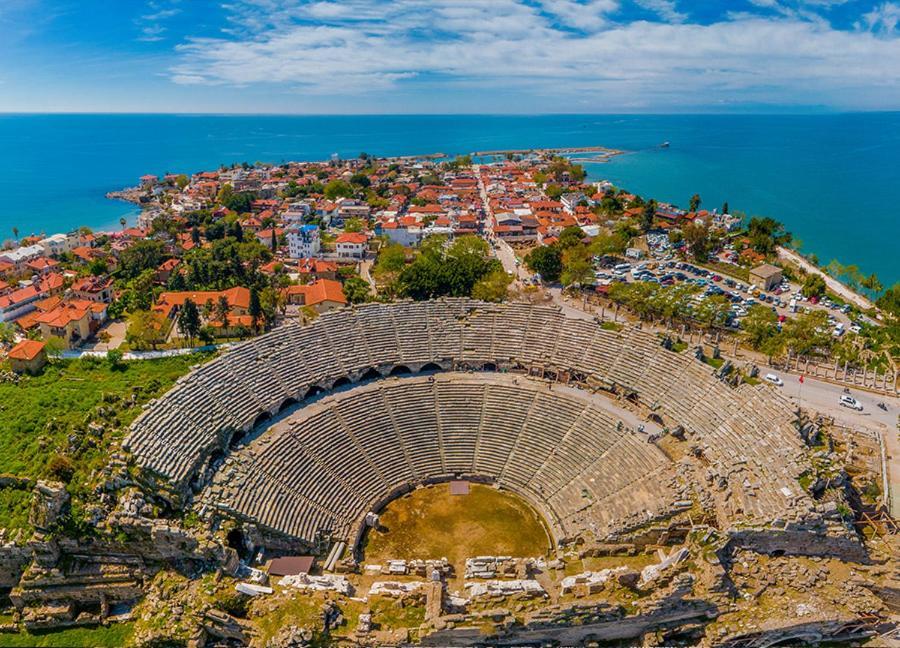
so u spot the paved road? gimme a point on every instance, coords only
(824, 397)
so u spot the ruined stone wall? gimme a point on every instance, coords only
(13, 561)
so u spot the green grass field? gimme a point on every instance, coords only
(431, 523)
(45, 420)
(113, 636)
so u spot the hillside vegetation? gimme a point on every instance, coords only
(60, 424)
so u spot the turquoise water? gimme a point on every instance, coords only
(831, 179)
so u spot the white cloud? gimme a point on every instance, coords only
(665, 9)
(883, 19)
(364, 46)
(152, 24)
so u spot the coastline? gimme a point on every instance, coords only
(833, 284)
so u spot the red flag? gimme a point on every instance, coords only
(801, 380)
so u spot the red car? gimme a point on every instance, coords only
(716, 278)
(782, 318)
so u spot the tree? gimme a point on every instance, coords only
(222, 310)
(760, 326)
(725, 208)
(572, 235)
(872, 282)
(195, 235)
(577, 268)
(123, 221)
(338, 189)
(890, 300)
(353, 225)
(114, 357)
(766, 233)
(273, 243)
(712, 311)
(182, 181)
(546, 261)
(808, 332)
(695, 203)
(142, 255)
(145, 329)
(360, 180)
(189, 321)
(813, 285)
(647, 215)
(441, 270)
(15, 231)
(255, 308)
(553, 191)
(356, 290)
(696, 235)
(236, 201)
(492, 287)
(54, 346)
(7, 332)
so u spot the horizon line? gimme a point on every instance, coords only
(798, 113)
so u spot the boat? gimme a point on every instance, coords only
(664, 145)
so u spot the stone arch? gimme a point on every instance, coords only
(261, 418)
(287, 402)
(314, 390)
(431, 366)
(371, 374)
(341, 382)
(400, 370)
(489, 366)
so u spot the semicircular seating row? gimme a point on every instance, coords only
(747, 435)
(326, 465)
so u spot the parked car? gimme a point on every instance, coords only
(852, 403)
(775, 380)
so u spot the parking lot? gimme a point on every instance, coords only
(786, 299)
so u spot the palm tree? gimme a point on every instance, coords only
(123, 222)
(16, 233)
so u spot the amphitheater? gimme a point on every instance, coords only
(372, 401)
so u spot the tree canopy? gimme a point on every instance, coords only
(441, 270)
(546, 261)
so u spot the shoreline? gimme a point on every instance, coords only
(831, 283)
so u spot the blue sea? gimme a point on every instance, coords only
(832, 179)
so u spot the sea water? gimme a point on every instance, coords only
(832, 179)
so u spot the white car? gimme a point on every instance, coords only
(775, 380)
(852, 403)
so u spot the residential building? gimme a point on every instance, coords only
(350, 208)
(303, 241)
(351, 245)
(321, 295)
(73, 321)
(20, 256)
(19, 302)
(94, 289)
(238, 298)
(58, 244)
(28, 356)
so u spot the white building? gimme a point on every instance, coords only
(22, 255)
(296, 213)
(351, 245)
(571, 200)
(303, 241)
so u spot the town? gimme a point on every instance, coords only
(223, 255)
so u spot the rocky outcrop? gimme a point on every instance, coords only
(49, 503)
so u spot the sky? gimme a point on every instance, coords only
(449, 56)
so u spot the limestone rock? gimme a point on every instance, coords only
(50, 499)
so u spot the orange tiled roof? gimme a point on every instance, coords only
(26, 350)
